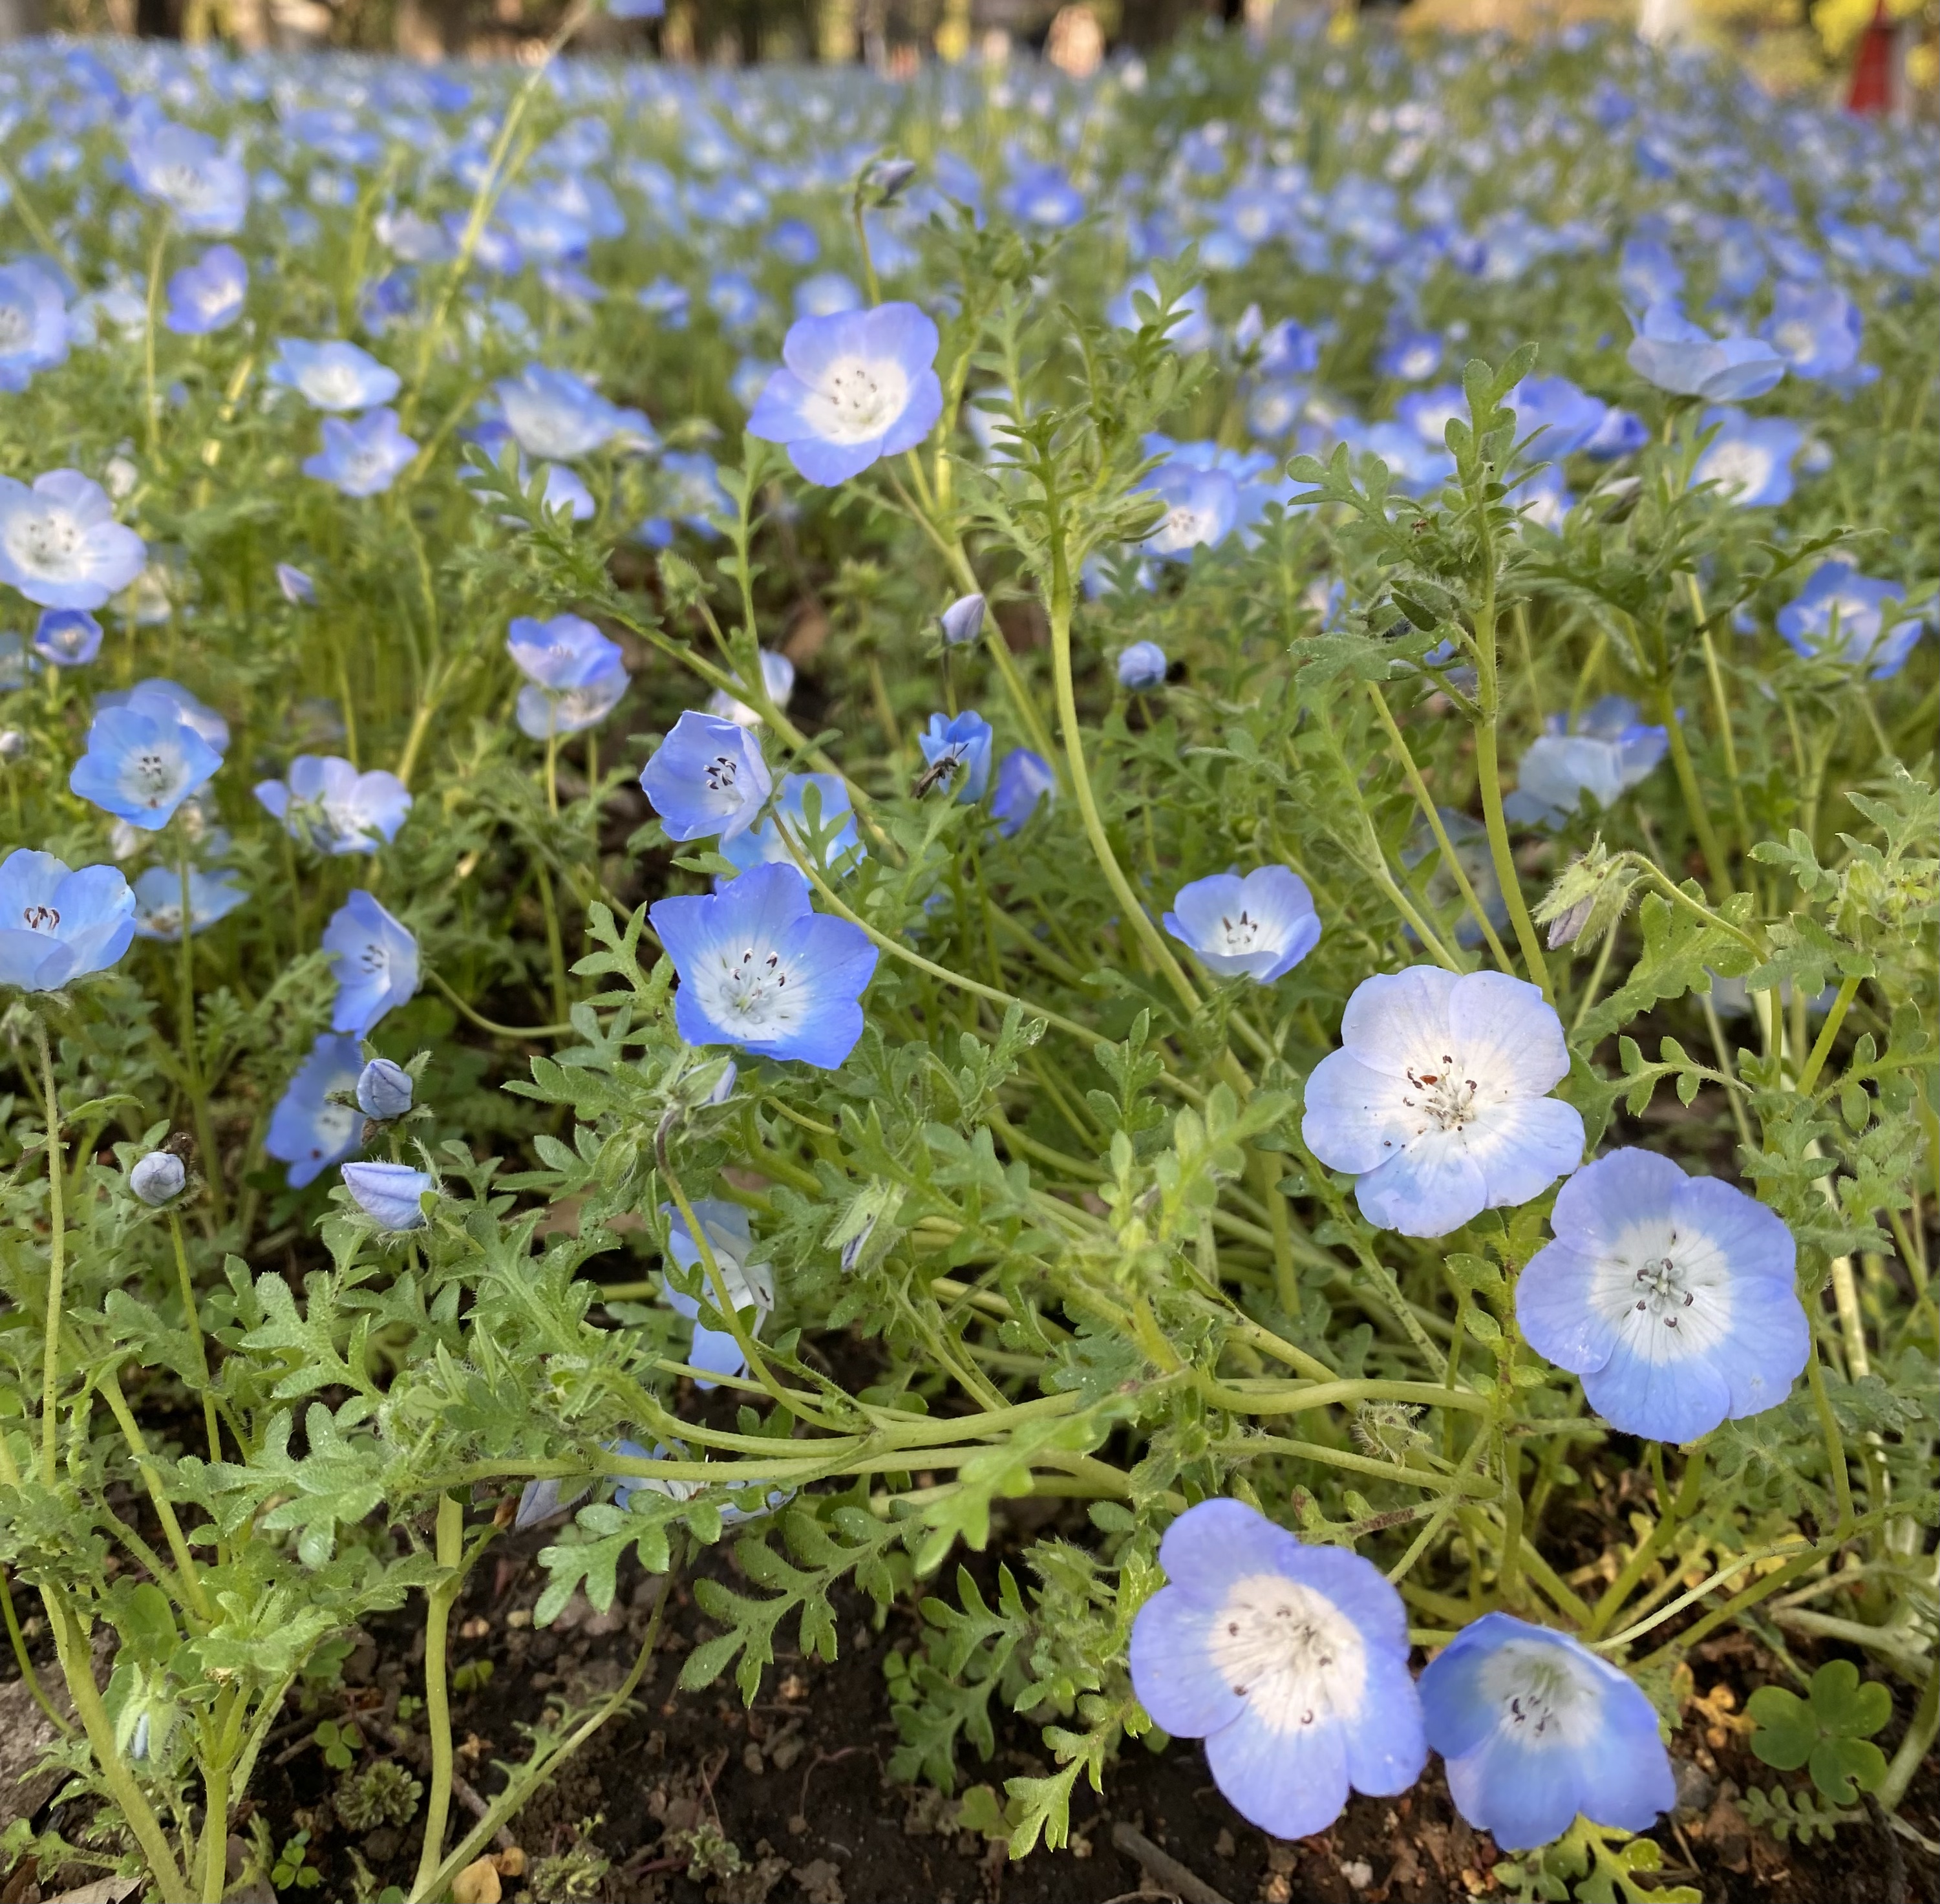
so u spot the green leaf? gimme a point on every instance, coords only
(1830, 1732)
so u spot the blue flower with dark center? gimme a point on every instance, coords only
(1202, 507)
(706, 777)
(57, 925)
(376, 964)
(158, 901)
(208, 295)
(1259, 927)
(576, 675)
(143, 759)
(59, 544)
(333, 375)
(331, 807)
(314, 1125)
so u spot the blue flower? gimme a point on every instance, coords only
(313, 1126)
(1750, 457)
(1411, 356)
(1436, 1100)
(1536, 1728)
(749, 1284)
(390, 1195)
(297, 587)
(1647, 273)
(777, 683)
(1187, 329)
(158, 901)
(1672, 1296)
(143, 759)
(691, 494)
(1202, 506)
(1555, 416)
(70, 638)
(1141, 665)
(205, 187)
(1676, 356)
(384, 1090)
(1259, 927)
(706, 777)
(1842, 614)
(855, 387)
(577, 676)
(59, 544)
(1289, 348)
(158, 1178)
(1024, 779)
(207, 296)
(760, 969)
(33, 323)
(1604, 753)
(333, 375)
(554, 414)
(763, 845)
(332, 808)
(1290, 1661)
(961, 749)
(963, 620)
(377, 965)
(170, 696)
(827, 294)
(56, 926)
(363, 458)
(1041, 195)
(1816, 327)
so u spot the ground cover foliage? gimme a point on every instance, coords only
(1485, 499)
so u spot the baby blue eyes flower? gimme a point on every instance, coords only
(1608, 751)
(552, 413)
(205, 187)
(333, 375)
(1142, 666)
(70, 638)
(1024, 780)
(143, 759)
(1842, 615)
(706, 777)
(761, 969)
(56, 926)
(1672, 1296)
(747, 1284)
(1259, 927)
(207, 296)
(312, 1127)
(777, 683)
(576, 675)
(1041, 195)
(764, 844)
(827, 294)
(377, 965)
(157, 1178)
(958, 753)
(963, 620)
(690, 494)
(1816, 327)
(33, 323)
(331, 807)
(1202, 506)
(384, 1090)
(59, 544)
(298, 590)
(390, 1195)
(1437, 1099)
(1750, 458)
(1673, 353)
(158, 901)
(362, 458)
(1536, 1728)
(853, 388)
(1290, 1661)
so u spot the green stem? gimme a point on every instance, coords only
(194, 1321)
(56, 1264)
(1714, 861)
(158, 256)
(450, 1543)
(198, 1090)
(24, 1660)
(1848, 990)
(1488, 768)
(118, 1404)
(1913, 1748)
(498, 1030)
(555, 945)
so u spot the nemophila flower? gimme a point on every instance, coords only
(33, 323)
(747, 1284)
(297, 587)
(1553, 417)
(57, 925)
(1842, 615)
(158, 901)
(690, 495)
(1290, 1661)
(143, 759)
(777, 683)
(1677, 355)
(1259, 927)
(853, 387)
(391, 1195)
(1437, 1102)
(554, 414)
(205, 187)
(1535, 1728)
(1274, 408)
(1816, 327)
(377, 965)
(333, 375)
(331, 808)
(962, 621)
(1605, 753)
(59, 544)
(314, 1125)
(1750, 459)
(1041, 195)
(207, 296)
(706, 777)
(576, 675)
(384, 1090)
(1672, 1296)
(1141, 665)
(70, 638)
(957, 753)
(362, 458)
(1202, 506)
(827, 294)
(764, 844)
(168, 697)
(761, 970)
(1024, 780)
(158, 1178)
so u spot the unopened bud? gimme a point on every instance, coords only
(384, 1090)
(886, 179)
(1589, 897)
(963, 620)
(157, 1178)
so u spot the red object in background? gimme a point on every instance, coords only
(1875, 72)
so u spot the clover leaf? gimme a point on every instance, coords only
(1830, 1732)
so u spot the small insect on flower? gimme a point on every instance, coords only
(749, 1284)
(56, 926)
(1536, 1728)
(706, 777)
(59, 544)
(313, 1125)
(390, 1195)
(377, 965)
(1437, 1099)
(1672, 1296)
(158, 1178)
(953, 748)
(1259, 927)
(1290, 1661)
(144, 758)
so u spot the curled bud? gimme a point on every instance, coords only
(389, 1194)
(384, 1090)
(157, 1178)
(963, 620)
(887, 178)
(1589, 897)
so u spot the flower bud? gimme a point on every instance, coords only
(886, 179)
(1142, 666)
(1588, 898)
(157, 1178)
(389, 1194)
(384, 1090)
(963, 620)
(13, 744)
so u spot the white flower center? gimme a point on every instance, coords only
(152, 774)
(334, 386)
(1542, 1697)
(1738, 468)
(1185, 526)
(1440, 1096)
(332, 1127)
(51, 545)
(750, 992)
(1796, 340)
(1239, 935)
(1289, 1652)
(1667, 1295)
(16, 328)
(858, 397)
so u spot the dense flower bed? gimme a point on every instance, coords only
(764, 802)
